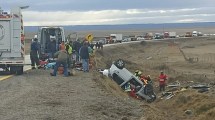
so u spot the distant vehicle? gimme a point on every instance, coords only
(46, 34)
(195, 33)
(116, 37)
(172, 34)
(166, 34)
(200, 34)
(126, 39)
(12, 41)
(158, 36)
(103, 41)
(140, 38)
(148, 36)
(188, 34)
(123, 77)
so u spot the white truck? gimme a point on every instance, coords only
(45, 36)
(12, 44)
(116, 37)
(195, 34)
(172, 34)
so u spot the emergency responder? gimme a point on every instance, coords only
(62, 46)
(62, 58)
(76, 46)
(162, 81)
(138, 73)
(68, 48)
(34, 54)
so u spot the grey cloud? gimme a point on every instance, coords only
(86, 5)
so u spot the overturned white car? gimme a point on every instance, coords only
(123, 77)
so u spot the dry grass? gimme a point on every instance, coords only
(135, 56)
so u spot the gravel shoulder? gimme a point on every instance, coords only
(38, 96)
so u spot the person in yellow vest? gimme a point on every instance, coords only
(68, 48)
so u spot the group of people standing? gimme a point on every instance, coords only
(63, 53)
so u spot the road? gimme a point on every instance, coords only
(26, 67)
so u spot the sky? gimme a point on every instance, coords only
(111, 12)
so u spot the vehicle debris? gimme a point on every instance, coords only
(202, 90)
(199, 86)
(175, 84)
(188, 112)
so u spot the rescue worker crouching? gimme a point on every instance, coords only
(62, 58)
(34, 54)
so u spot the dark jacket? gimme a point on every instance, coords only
(61, 56)
(84, 53)
(34, 46)
(76, 46)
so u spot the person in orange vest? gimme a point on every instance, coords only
(162, 81)
(62, 46)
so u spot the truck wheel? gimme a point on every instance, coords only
(19, 70)
(12, 71)
(120, 64)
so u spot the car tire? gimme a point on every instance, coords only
(120, 64)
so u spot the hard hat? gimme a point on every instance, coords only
(35, 36)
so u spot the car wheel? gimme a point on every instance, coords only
(120, 64)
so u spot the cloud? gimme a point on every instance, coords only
(88, 5)
(36, 18)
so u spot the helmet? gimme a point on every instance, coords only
(138, 73)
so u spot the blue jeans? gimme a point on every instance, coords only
(85, 65)
(65, 67)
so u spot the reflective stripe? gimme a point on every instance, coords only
(22, 39)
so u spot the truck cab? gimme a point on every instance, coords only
(195, 34)
(116, 38)
(46, 35)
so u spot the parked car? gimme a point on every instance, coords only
(122, 77)
(140, 38)
(103, 41)
(126, 40)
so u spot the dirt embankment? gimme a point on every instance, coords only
(151, 58)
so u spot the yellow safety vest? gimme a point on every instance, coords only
(70, 49)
